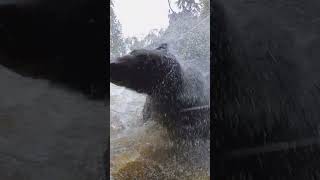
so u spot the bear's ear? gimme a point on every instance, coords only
(163, 47)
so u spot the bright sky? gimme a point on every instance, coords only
(138, 17)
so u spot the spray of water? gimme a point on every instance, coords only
(143, 149)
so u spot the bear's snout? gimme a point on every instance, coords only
(117, 70)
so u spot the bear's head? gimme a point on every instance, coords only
(146, 71)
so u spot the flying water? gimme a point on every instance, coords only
(143, 150)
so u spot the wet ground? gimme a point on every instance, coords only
(48, 132)
(143, 150)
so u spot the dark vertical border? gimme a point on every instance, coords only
(212, 60)
(219, 53)
(106, 59)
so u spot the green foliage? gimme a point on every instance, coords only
(188, 34)
(205, 7)
(117, 46)
(133, 43)
(190, 6)
(151, 38)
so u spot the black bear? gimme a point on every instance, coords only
(266, 93)
(170, 90)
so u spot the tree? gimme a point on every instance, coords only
(133, 43)
(205, 7)
(117, 46)
(149, 41)
(188, 33)
(188, 6)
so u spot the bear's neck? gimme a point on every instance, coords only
(169, 88)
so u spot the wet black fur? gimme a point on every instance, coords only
(169, 89)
